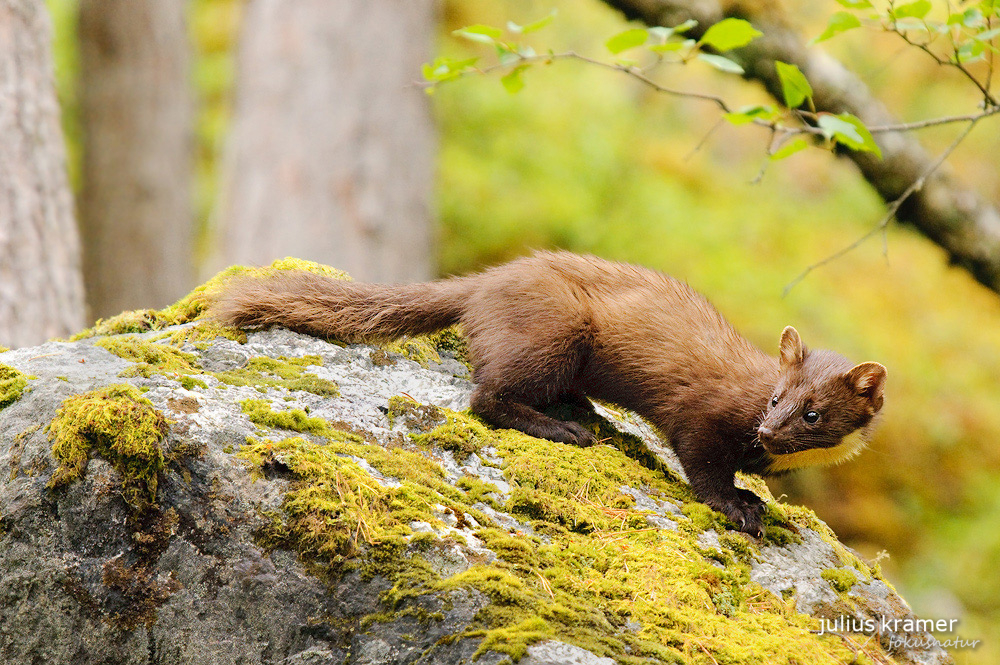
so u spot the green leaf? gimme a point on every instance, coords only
(972, 18)
(918, 9)
(485, 34)
(987, 36)
(730, 33)
(531, 27)
(506, 55)
(628, 39)
(838, 23)
(748, 114)
(855, 4)
(685, 26)
(970, 51)
(794, 85)
(848, 130)
(443, 69)
(720, 63)
(512, 81)
(660, 33)
(790, 148)
(671, 46)
(905, 24)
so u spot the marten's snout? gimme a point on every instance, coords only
(765, 434)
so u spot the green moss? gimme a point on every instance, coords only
(194, 305)
(425, 349)
(416, 416)
(337, 509)
(190, 383)
(514, 640)
(461, 433)
(779, 535)
(297, 420)
(149, 357)
(452, 341)
(702, 517)
(284, 367)
(418, 349)
(205, 331)
(599, 568)
(841, 579)
(281, 372)
(12, 385)
(136, 321)
(118, 424)
(423, 540)
(477, 489)
(740, 546)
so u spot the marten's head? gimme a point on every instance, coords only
(822, 409)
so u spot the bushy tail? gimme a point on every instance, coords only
(348, 311)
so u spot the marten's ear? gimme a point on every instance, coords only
(792, 352)
(868, 380)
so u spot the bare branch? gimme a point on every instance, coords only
(890, 213)
(957, 64)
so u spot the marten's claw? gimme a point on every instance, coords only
(744, 511)
(578, 435)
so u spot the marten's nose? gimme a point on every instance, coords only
(765, 434)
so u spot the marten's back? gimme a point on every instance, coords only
(644, 327)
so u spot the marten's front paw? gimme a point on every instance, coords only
(745, 512)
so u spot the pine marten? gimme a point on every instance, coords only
(557, 327)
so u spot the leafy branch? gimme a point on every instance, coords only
(668, 45)
(955, 39)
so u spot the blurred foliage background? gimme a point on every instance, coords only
(588, 160)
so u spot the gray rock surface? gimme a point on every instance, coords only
(87, 578)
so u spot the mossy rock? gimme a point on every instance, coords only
(12, 385)
(118, 424)
(194, 305)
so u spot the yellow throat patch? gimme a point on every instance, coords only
(848, 447)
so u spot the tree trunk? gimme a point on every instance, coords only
(41, 292)
(330, 156)
(962, 223)
(136, 207)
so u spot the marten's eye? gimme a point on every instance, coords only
(774, 401)
(811, 417)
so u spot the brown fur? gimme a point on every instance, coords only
(558, 326)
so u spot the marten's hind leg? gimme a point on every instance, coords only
(517, 375)
(502, 411)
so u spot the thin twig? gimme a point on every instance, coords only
(634, 72)
(890, 211)
(773, 145)
(44, 355)
(989, 60)
(933, 122)
(957, 64)
(704, 139)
